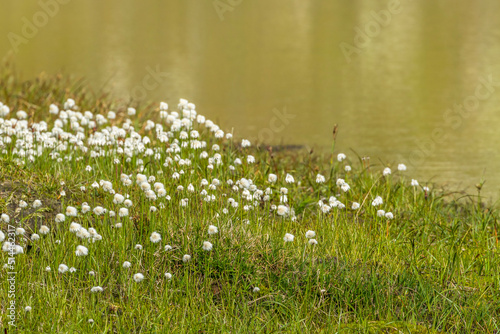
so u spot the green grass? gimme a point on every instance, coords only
(434, 268)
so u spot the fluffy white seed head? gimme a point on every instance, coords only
(81, 250)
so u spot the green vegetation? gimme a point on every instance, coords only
(433, 268)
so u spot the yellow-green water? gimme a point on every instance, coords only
(287, 71)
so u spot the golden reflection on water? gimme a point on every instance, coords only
(264, 58)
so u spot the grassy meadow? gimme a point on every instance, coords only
(154, 220)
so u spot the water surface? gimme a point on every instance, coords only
(287, 71)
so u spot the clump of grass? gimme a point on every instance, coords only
(430, 266)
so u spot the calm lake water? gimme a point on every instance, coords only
(406, 81)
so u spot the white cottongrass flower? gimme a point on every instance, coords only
(155, 237)
(2, 236)
(138, 277)
(18, 250)
(377, 201)
(345, 187)
(320, 178)
(341, 157)
(380, 213)
(355, 206)
(272, 178)
(168, 275)
(96, 289)
(22, 204)
(389, 215)
(81, 250)
(207, 246)
(127, 264)
(401, 167)
(282, 210)
(74, 227)
(92, 273)
(60, 218)
(212, 229)
(310, 234)
(138, 247)
(313, 242)
(37, 203)
(71, 211)
(82, 233)
(44, 230)
(414, 183)
(20, 231)
(48, 268)
(128, 203)
(123, 212)
(63, 268)
(245, 143)
(27, 309)
(34, 237)
(99, 210)
(7, 246)
(347, 168)
(288, 237)
(72, 269)
(85, 207)
(118, 199)
(167, 248)
(387, 171)
(186, 258)
(289, 178)
(256, 289)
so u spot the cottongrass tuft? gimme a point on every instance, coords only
(212, 229)
(63, 268)
(288, 237)
(74, 227)
(207, 246)
(81, 250)
(96, 289)
(60, 218)
(138, 277)
(44, 230)
(282, 210)
(310, 234)
(155, 237)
